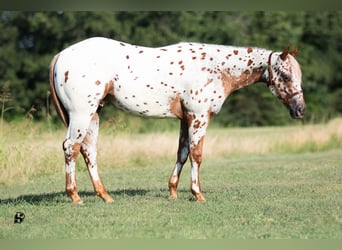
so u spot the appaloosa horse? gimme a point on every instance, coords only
(188, 81)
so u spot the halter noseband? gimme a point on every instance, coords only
(271, 83)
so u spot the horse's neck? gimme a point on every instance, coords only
(242, 66)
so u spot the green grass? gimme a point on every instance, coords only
(251, 197)
(260, 183)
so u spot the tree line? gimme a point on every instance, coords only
(29, 40)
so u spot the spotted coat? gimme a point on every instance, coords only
(188, 81)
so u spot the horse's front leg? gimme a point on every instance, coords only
(196, 160)
(182, 156)
(197, 131)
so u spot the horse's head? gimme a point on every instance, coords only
(284, 81)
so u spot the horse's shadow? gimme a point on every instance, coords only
(61, 197)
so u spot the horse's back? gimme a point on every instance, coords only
(145, 81)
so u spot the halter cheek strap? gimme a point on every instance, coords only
(272, 83)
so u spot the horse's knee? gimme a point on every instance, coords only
(196, 154)
(196, 151)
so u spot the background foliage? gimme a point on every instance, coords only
(30, 39)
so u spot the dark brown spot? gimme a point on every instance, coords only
(203, 55)
(197, 124)
(249, 62)
(97, 82)
(66, 76)
(208, 82)
(249, 50)
(127, 57)
(236, 52)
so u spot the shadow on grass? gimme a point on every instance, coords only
(61, 197)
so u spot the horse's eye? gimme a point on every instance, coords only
(286, 78)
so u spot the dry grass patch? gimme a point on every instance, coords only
(124, 147)
(28, 149)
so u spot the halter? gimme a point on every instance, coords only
(271, 83)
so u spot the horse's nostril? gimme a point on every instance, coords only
(300, 111)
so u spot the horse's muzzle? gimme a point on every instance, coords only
(298, 112)
(297, 106)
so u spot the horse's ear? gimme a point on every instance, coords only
(295, 51)
(285, 53)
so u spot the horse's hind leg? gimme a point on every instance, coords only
(77, 131)
(71, 151)
(89, 152)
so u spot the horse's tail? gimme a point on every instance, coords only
(59, 106)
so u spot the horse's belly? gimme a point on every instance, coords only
(153, 106)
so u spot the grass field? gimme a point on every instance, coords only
(260, 183)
